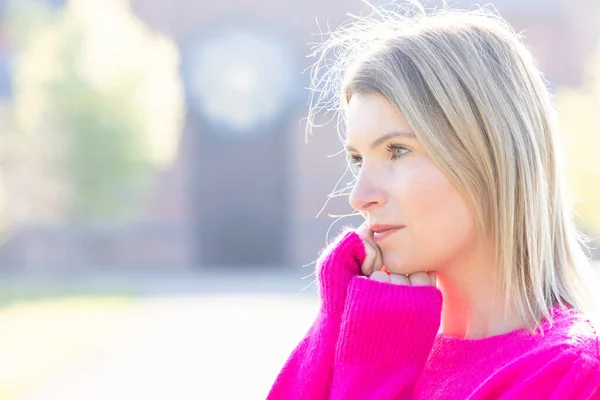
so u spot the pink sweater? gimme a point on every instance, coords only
(374, 340)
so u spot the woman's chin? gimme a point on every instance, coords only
(397, 265)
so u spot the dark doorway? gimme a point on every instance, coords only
(242, 85)
(241, 197)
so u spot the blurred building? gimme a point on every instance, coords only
(246, 188)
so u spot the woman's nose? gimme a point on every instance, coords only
(366, 193)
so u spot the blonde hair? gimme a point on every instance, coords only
(470, 90)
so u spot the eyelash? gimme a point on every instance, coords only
(392, 148)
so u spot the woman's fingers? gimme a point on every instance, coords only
(380, 276)
(416, 279)
(373, 257)
(420, 279)
(398, 279)
(433, 278)
(378, 264)
(395, 279)
(367, 265)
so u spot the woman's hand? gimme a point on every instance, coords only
(373, 260)
(373, 267)
(416, 279)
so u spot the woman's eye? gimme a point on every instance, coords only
(397, 151)
(354, 163)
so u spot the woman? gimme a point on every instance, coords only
(467, 279)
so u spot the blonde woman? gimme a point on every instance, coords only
(467, 279)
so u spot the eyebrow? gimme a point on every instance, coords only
(385, 138)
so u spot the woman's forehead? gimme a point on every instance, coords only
(371, 116)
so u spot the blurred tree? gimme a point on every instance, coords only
(98, 109)
(579, 119)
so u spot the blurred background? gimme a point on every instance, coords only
(160, 206)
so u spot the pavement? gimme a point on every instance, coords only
(180, 337)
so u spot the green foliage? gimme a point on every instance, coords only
(98, 106)
(105, 156)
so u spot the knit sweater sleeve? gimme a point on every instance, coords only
(554, 374)
(308, 372)
(387, 333)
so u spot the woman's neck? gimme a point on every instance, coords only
(470, 309)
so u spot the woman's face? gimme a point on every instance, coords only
(398, 185)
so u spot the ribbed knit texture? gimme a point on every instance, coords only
(374, 340)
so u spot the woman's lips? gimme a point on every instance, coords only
(379, 233)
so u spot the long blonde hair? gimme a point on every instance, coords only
(471, 92)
